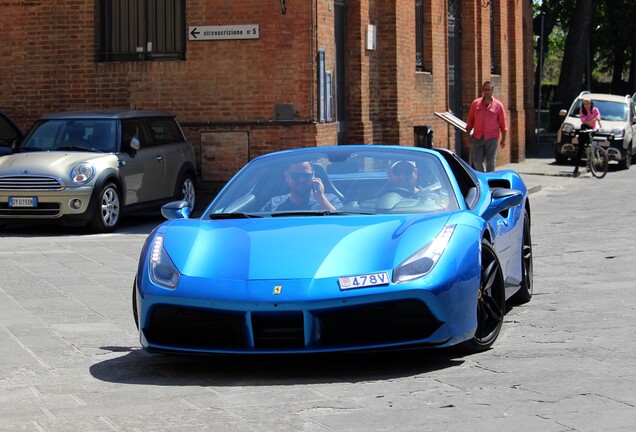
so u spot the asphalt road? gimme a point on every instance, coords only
(70, 358)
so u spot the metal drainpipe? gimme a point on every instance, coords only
(312, 113)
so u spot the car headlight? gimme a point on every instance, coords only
(162, 270)
(618, 133)
(567, 128)
(422, 262)
(82, 173)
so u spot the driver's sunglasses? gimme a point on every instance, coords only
(301, 176)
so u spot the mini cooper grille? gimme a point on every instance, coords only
(390, 322)
(29, 183)
(42, 210)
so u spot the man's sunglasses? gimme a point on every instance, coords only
(301, 176)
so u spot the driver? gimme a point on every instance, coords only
(403, 175)
(403, 181)
(306, 192)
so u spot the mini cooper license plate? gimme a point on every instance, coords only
(361, 281)
(23, 201)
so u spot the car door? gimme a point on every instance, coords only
(167, 136)
(143, 170)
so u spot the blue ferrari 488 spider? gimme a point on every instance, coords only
(338, 249)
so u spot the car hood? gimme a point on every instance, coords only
(297, 247)
(54, 163)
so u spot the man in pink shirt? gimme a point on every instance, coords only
(487, 119)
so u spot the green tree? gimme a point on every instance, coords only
(576, 52)
(600, 33)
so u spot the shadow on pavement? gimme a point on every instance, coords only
(143, 368)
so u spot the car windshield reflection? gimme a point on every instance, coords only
(338, 181)
(71, 135)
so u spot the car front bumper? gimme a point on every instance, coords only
(569, 146)
(392, 318)
(70, 204)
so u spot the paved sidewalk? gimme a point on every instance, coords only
(540, 173)
(539, 169)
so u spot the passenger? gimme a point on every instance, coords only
(306, 192)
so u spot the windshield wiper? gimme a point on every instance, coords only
(214, 216)
(28, 149)
(321, 213)
(303, 213)
(76, 148)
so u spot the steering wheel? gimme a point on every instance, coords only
(403, 192)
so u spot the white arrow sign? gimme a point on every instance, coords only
(248, 31)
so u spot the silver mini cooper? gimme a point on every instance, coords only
(90, 167)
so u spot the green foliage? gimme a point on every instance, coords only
(612, 39)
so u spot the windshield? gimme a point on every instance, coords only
(338, 180)
(77, 134)
(610, 111)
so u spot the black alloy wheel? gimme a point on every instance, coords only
(525, 291)
(491, 302)
(134, 303)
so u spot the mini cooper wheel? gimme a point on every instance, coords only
(107, 210)
(491, 302)
(185, 191)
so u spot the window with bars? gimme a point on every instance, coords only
(141, 30)
(420, 62)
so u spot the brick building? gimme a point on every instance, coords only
(246, 77)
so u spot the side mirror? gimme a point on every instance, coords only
(135, 144)
(502, 199)
(176, 210)
(562, 113)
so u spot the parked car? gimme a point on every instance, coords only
(617, 132)
(90, 167)
(9, 133)
(380, 247)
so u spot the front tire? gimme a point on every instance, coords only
(107, 210)
(626, 163)
(134, 303)
(599, 162)
(491, 302)
(525, 292)
(559, 159)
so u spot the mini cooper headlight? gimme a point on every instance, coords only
(422, 262)
(82, 173)
(567, 128)
(162, 270)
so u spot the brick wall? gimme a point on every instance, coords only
(231, 88)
